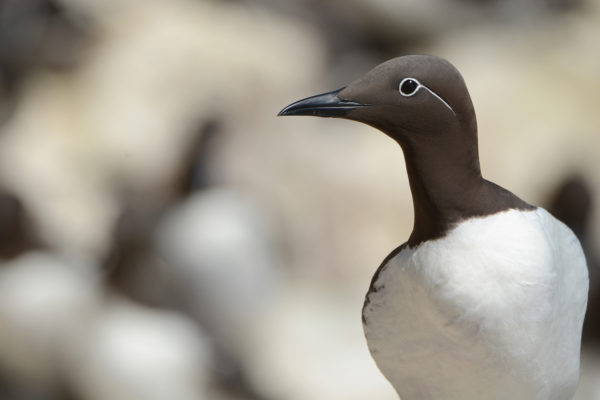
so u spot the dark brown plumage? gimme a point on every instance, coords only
(436, 127)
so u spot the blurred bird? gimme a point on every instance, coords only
(17, 235)
(44, 299)
(129, 352)
(486, 299)
(571, 202)
(205, 252)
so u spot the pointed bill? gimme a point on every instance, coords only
(322, 105)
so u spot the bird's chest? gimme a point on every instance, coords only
(415, 314)
(459, 307)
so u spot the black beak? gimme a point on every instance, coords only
(322, 105)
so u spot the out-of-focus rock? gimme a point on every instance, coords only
(122, 120)
(361, 32)
(37, 34)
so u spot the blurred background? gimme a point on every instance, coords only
(164, 236)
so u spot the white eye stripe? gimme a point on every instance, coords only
(419, 86)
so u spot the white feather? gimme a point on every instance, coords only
(493, 310)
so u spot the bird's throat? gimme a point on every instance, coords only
(444, 189)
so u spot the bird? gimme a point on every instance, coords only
(572, 202)
(486, 298)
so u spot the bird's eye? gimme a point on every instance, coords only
(409, 86)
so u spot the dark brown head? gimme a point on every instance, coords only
(410, 98)
(422, 102)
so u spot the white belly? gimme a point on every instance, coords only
(493, 310)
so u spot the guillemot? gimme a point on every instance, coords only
(487, 297)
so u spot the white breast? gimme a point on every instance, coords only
(493, 310)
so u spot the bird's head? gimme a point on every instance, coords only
(408, 98)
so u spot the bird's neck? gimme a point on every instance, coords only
(446, 186)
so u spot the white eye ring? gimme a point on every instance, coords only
(414, 90)
(418, 86)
